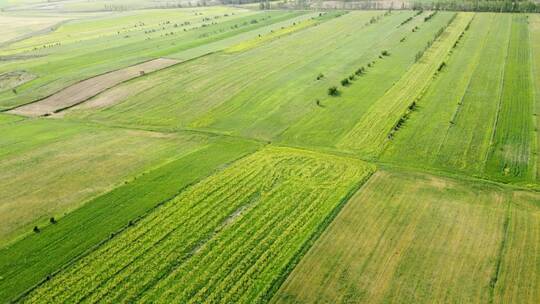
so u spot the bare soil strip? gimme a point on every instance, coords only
(89, 88)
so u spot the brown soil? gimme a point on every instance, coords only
(89, 88)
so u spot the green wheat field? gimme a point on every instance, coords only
(180, 151)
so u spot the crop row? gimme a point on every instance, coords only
(228, 237)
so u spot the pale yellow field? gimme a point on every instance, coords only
(13, 27)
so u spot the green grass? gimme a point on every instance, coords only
(6, 118)
(518, 278)
(325, 125)
(115, 42)
(511, 151)
(68, 164)
(534, 32)
(474, 119)
(412, 237)
(228, 238)
(39, 255)
(163, 192)
(371, 133)
(419, 141)
(234, 97)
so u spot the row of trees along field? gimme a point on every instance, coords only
(479, 6)
(451, 5)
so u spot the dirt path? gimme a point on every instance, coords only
(88, 88)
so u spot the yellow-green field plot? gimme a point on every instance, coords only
(85, 48)
(415, 238)
(228, 93)
(68, 164)
(230, 238)
(13, 27)
(478, 115)
(373, 130)
(534, 34)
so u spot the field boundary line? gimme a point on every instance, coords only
(489, 151)
(125, 227)
(501, 251)
(316, 234)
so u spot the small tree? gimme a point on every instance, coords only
(320, 76)
(345, 82)
(385, 53)
(441, 66)
(36, 229)
(333, 91)
(52, 220)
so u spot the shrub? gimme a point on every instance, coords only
(333, 91)
(441, 66)
(320, 76)
(53, 220)
(385, 53)
(36, 229)
(360, 71)
(345, 82)
(351, 77)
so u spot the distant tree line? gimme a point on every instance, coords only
(527, 6)
(479, 6)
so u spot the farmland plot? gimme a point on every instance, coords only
(534, 32)
(38, 255)
(453, 121)
(86, 89)
(68, 163)
(473, 119)
(414, 238)
(229, 238)
(14, 27)
(113, 44)
(325, 124)
(517, 279)
(371, 133)
(228, 93)
(513, 138)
